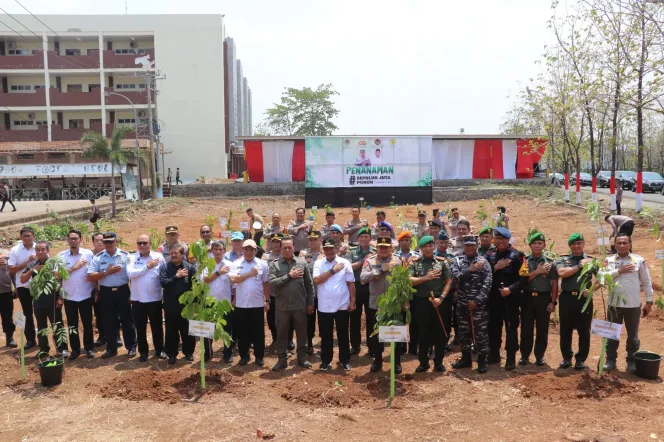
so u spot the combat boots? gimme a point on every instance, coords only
(465, 361)
(482, 365)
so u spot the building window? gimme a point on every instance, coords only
(19, 52)
(72, 52)
(56, 156)
(25, 156)
(95, 121)
(125, 86)
(126, 121)
(129, 51)
(3, 160)
(24, 123)
(21, 88)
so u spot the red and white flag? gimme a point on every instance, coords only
(275, 161)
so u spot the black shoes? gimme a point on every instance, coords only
(354, 351)
(172, 359)
(28, 345)
(74, 355)
(324, 366)
(310, 349)
(440, 368)
(143, 358)
(118, 342)
(464, 361)
(482, 366)
(524, 361)
(579, 365)
(494, 359)
(376, 367)
(610, 365)
(259, 362)
(565, 364)
(244, 361)
(189, 358)
(304, 364)
(509, 363)
(132, 353)
(290, 346)
(90, 354)
(422, 368)
(10, 342)
(162, 355)
(540, 362)
(99, 342)
(631, 366)
(397, 369)
(280, 365)
(346, 366)
(109, 354)
(228, 360)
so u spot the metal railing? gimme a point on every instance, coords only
(85, 193)
(34, 194)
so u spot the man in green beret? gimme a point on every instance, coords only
(571, 317)
(356, 256)
(486, 241)
(431, 277)
(540, 296)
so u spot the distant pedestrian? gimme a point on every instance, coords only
(177, 177)
(620, 224)
(169, 177)
(95, 212)
(619, 193)
(6, 197)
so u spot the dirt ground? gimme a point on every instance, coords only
(125, 400)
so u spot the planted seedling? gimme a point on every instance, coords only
(200, 306)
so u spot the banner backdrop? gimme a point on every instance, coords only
(78, 169)
(351, 162)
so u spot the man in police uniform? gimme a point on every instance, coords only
(356, 256)
(571, 316)
(505, 297)
(473, 277)
(272, 256)
(486, 243)
(311, 255)
(337, 234)
(435, 226)
(405, 239)
(298, 229)
(421, 226)
(442, 247)
(374, 276)
(109, 268)
(430, 276)
(172, 240)
(540, 297)
(270, 230)
(206, 235)
(329, 222)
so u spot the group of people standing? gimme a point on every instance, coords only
(300, 276)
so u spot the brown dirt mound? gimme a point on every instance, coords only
(576, 386)
(655, 315)
(168, 386)
(361, 392)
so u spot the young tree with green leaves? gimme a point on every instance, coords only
(99, 147)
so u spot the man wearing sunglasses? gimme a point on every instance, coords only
(206, 236)
(146, 298)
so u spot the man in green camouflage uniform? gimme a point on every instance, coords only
(486, 241)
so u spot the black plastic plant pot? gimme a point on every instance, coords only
(51, 371)
(647, 364)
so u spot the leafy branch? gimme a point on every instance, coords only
(390, 304)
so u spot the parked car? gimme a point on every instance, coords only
(604, 178)
(626, 178)
(558, 176)
(586, 179)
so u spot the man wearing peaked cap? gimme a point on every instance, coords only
(357, 256)
(335, 282)
(329, 222)
(172, 240)
(456, 243)
(385, 230)
(430, 276)
(505, 298)
(311, 255)
(421, 226)
(571, 303)
(374, 274)
(540, 296)
(486, 241)
(109, 268)
(270, 257)
(274, 228)
(435, 226)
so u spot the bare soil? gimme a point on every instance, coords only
(121, 399)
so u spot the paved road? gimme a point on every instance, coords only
(651, 200)
(31, 208)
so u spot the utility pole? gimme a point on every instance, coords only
(158, 150)
(153, 171)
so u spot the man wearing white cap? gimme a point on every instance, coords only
(252, 299)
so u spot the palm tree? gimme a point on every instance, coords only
(99, 147)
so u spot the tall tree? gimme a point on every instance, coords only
(100, 148)
(303, 112)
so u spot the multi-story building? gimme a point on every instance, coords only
(72, 74)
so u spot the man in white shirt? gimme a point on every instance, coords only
(630, 272)
(252, 300)
(146, 297)
(335, 284)
(19, 257)
(221, 288)
(78, 301)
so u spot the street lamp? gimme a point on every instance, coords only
(138, 158)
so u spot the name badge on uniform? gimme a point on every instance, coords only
(534, 293)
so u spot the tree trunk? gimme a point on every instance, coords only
(112, 190)
(639, 113)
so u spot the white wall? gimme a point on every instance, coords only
(191, 102)
(24, 80)
(82, 45)
(24, 116)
